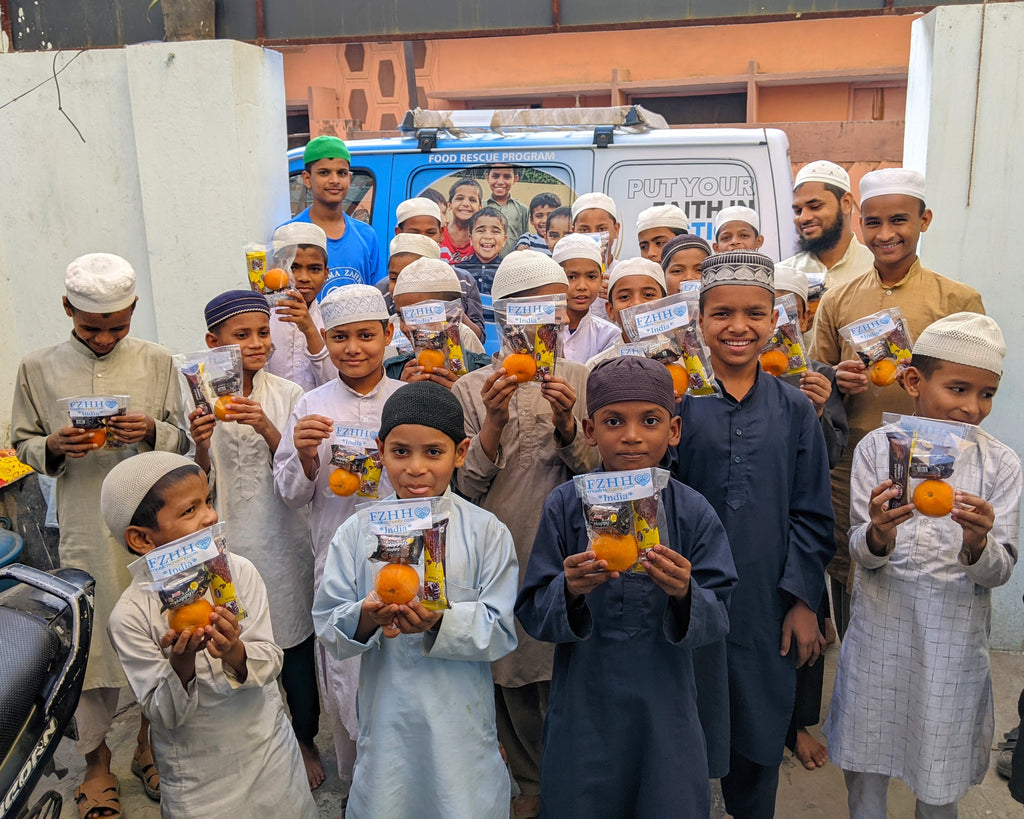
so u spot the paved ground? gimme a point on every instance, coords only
(802, 794)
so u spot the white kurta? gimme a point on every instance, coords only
(224, 748)
(913, 691)
(136, 368)
(427, 739)
(592, 336)
(291, 358)
(258, 524)
(327, 511)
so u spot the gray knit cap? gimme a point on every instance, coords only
(128, 483)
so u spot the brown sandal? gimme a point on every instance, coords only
(98, 798)
(144, 767)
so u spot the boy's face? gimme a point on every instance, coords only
(357, 349)
(422, 226)
(420, 460)
(596, 220)
(584, 278)
(892, 226)
(737, 236)
(487, 238)
(465, 202)
(328, 180)
(632, 434)
(251, 332)
(187, 509)
(555, 229)
(396, 264)
(309, 272)
(737, 320)
(100, 332)
(539, 219)
(953, 392)
(652, 241)
(684, 267)
(630, 290)
(500, 180)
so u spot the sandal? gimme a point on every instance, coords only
(144, 767)
(98, 798)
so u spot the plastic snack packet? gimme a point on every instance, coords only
(269, 269)
(784, 352)
(186, 574)
(690, 289)
(355, 461)
(623, 513)
(92, 411)
(669, 329)
(410, 534)
(883, 343)
(434, 330)
(922, 455)
(210, 378)
(530, 330)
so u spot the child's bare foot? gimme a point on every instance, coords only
(314, 770)
(830, 632)
(809, 751)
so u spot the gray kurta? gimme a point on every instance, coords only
(136, 368)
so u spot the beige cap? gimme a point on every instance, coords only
(291, 234)
(636, 267)
(886, 181)
(427, 276)
(821, 170)
(667, 216)
(737, 213)
(416, 244)
(128, 483)
(351, 303)
(970, 339)
(418, 206)
(791, 280)
(100, 283)
(601, 201)
(524, 270)
(577, 246)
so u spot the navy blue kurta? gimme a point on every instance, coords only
(762, 464)
(622, 737)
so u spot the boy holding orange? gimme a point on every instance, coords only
(913, 690)
(613, 629)
(428, 745)
(633, 281)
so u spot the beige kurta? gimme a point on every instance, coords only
(136, 368)
(531, 462)
(857, 261)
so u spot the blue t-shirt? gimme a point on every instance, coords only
(352, 259)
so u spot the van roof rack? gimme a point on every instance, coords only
(625, 118)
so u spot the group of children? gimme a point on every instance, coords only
(608, 691)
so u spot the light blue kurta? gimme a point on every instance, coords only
(427, 741)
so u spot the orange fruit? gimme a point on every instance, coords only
(774, 362)
(192, 615)
(933, 498)
(343, 482)
(428, 359)
(883, 372)
(222, 408)
(620, 551)
(397, 583)
(680, 378)
(96, 436)
(275, 279)
(521, 365)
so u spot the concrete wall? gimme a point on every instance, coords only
(956, 68)
(183, 163)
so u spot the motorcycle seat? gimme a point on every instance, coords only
(28, 651)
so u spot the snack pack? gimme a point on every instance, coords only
(410, 533)
(188, 570)
(210, 378)
(669, 329)
(269, 269)
(530, 330)
(784, 352)
(922, 459)
(92, 411)
(355, 461)
(623, 513)
(882, 342)
(690, 289)
(434, 330)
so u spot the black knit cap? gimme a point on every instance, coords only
(630, 378)
(425, 404)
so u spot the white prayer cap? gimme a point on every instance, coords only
(351, 303)
(667, 216)
(415, 243)
(291, 234)
(577, 246)
(419, 206)
(791, 280)
(737, 213)
(427, 276)
(524, 270)
(964, 338)
(821, 170)
(100, 283)
(602, 201)
(887, 181)
(636, 267)
(128, 483)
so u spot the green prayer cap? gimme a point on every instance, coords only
(325, 147)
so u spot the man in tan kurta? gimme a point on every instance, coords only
(97, 360)
(893, 216)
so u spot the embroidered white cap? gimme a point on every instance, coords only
(524, 270)
(577, 246)
(100, 283)
(736, 213)
(791, 280)
(821, 170)
(601, 201)
(886, 181)
(351, 303)
(964, 338)
(636, 266)
(415, 243)
(667, 216)
(427, 276)
(291, 234)
(418, 206)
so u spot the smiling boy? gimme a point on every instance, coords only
(584, 335)
(737, 228)
(487, 232)
(500, 179)
(634, 281)
(465, 197)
